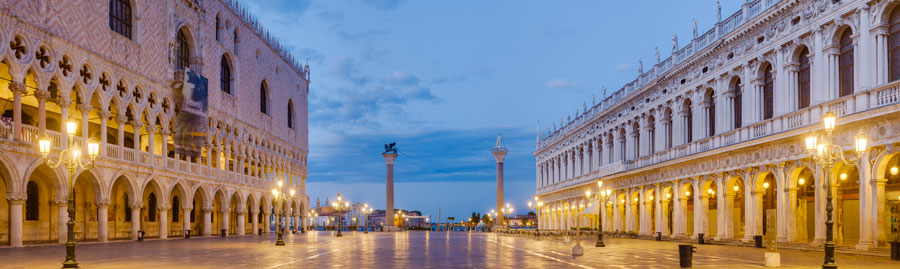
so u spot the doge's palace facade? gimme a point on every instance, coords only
(710, 140)
(110, 66)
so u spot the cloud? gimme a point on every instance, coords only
(348, 70)
(622, 67)
(401, 78)
(562, 84)
(384, 4)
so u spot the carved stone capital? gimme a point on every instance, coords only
(42, 95)
(104, 113)
(208, 209)
(102, 203)
(84, 107)
(17, 87)
(16, 198)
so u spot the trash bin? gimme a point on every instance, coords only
(140, 235)
(685, 255)
(757, 241)
(259, 232)
(223, 233)
(658, 236)
(700, 239)
(187, 234)
(895, 250)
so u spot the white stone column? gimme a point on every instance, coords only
(866, 210)
(137, 124)
(164, 222)
(103, 221)
(267, 221)
(819, 238)
(254, 221)
(499, 155)
(749, 209)
(186, 217)
(151, 139)
(18, 90)
(135, 221)
(16, 200)
(241, 221)
(701, 214)
(781, 210)
(42, 97)
(225, 223)
(207, 221)
(85, 112)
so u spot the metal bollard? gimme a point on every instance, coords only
(757, 241)
(187, 234)
(685, 255)
(658, 236)
(700, 239)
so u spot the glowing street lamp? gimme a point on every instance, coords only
(280, 196)
(826, 154)
(72, 160)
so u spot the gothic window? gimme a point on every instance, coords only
(711, 113)
(218, 26)
(225, 75)
(894, 45)
(120, 17)
(176, 209)
(768, 93)
(263, 96)
(33, 202)
(125, 209)
(737, 102)
(290, 114)
(637, 140)
(803, 80)
(151, 208)
(846, 64)
(182, 52)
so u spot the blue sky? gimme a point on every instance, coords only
(443, 78)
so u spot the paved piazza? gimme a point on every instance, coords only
(405, 250)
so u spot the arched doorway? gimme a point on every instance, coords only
(769, 204)
(847, 204)
(651, 214)
(87, 189)
(177, 214)
(689, 214)
(121, 199)
(248, 227)
(197, 221)
(668, 209)
(712, 213)
(734, 195)
(150, 211)
(232, 214)
(217, 213)
(806, 206)
(5, 180)
(890, 171)
(41, 209)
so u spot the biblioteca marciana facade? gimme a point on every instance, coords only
(712, 140)
(110, 66)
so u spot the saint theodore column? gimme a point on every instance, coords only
(499, 152)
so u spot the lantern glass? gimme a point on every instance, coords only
(71, 127)
(280, 183)
(44, 144)
(275, 192)
(829, 120)
(292, 192)
(861, 142)
(76, 154)
(811, 142)
(93, 148)
(599, 183)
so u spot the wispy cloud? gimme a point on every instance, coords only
(348, 70)
(562, 83)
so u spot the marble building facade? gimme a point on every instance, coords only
(710, 140)
(109, 65)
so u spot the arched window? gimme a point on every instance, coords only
(125, 209)
(688, 114)
(894, 45)
(151, 208)
(737, 102)
(636, 137)
(711, 112)
(768, 93)
(263, 96)
(225, 75)
(32, 202)
(669, 129)
(120, 17)
(182, 52)
(846, 64)
(651, 134)
(218, 28)
(803, 80)
(622, 144)
(290, 114)
(176, 209)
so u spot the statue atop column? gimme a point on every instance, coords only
(640, 66)
(695, 27)
(389, 148)
(656, 50)
(674, 43)
(718, 10)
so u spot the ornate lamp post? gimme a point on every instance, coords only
(340, 205)
(72, 160)
(279, 198)
(826, 154)
(537, 205)
(600, 194)
(366, 211)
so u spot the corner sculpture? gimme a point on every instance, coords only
(389, 148)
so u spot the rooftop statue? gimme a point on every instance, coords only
(389, 148)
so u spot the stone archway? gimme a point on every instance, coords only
(122, 198)
(846, 212)
(87, 217)
(8, 225)
(734, 208)
(197, 215)
(178, 213)
(152, 200)
(233, 214)
(44, 204)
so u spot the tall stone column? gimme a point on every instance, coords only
(207, 221)
(62, 203)
(42, 97)
(16, 200)
(241, 221)
(499, 153)
(135, 221)
(389, 189)
(103, 221)
(18, 89)
(164, 222)
(186, 217)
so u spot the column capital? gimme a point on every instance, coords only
(121, 118)
(102, 203)
(84, 107)
(64, 101)
(41, 95)
(16, 198)
(389, 158)
(254, 211)
(137, 123)
(187, 207)
(208, 209)
(61, 200)
(104, 114)
(17, 87)
(136, 206)
(151, 128)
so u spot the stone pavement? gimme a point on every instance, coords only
(406, 250)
